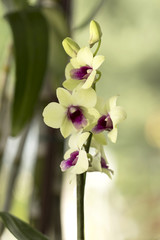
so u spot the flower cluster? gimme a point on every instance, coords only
(80, 113)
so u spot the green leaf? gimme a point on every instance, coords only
(30, 35)
(20, 229)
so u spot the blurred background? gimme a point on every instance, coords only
(32, 186)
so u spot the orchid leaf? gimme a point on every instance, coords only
(20, 229)
(30, 36)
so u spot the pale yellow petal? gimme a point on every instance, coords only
(103, 154)
(54, 115)
(85, 56)
(88, 83)
(68, 153)
(70, 84)
(82, 139)
(100, 138)
(117, 115)
(100, 106)
(79, 86)
(85, 97)
(68, 68)
(75, 63)
(90, 124)
(66, 128)
(72, 142)
(97, 61)
(94, 114)
(112, 135)
(64, 97)
(77, 140)
(108, 172)
(96, 164)
(82, 163)
(111, 103)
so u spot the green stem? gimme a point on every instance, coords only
(81, 178)
(80, 205)
(88, 142)
(99, 44)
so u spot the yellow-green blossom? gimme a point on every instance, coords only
(73, 112)
(110, 116)
(75, 159)
(99, 162)
(82, 69)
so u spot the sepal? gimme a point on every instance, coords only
(95, 33)
(70, 47)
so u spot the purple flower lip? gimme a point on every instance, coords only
(104, 124)
(65, 164)
(103, 163)
(81, 73)
(75, 115)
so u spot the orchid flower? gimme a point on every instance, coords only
(82, 69)
(73, 112)
(75, 159)
(99, 162)
(110, 116)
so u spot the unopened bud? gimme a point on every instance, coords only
(95, 33)
(70, 47)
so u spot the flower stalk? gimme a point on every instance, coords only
(97, 49)
(81, 179)
(80, 206)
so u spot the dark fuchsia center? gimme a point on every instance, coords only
(75, 115)
(81, 73)
(65, 164)
(103, 163)
(104, 123)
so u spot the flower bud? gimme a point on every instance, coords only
(70, 47)
(95, 33)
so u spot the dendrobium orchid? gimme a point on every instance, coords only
(99, 161)
(110, 116)
(100, 164)
(76, 160)
(73, 112)
(82, 69)
(79, 113)
(83, 116)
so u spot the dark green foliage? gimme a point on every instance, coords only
(20, 229)
(30, 35)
